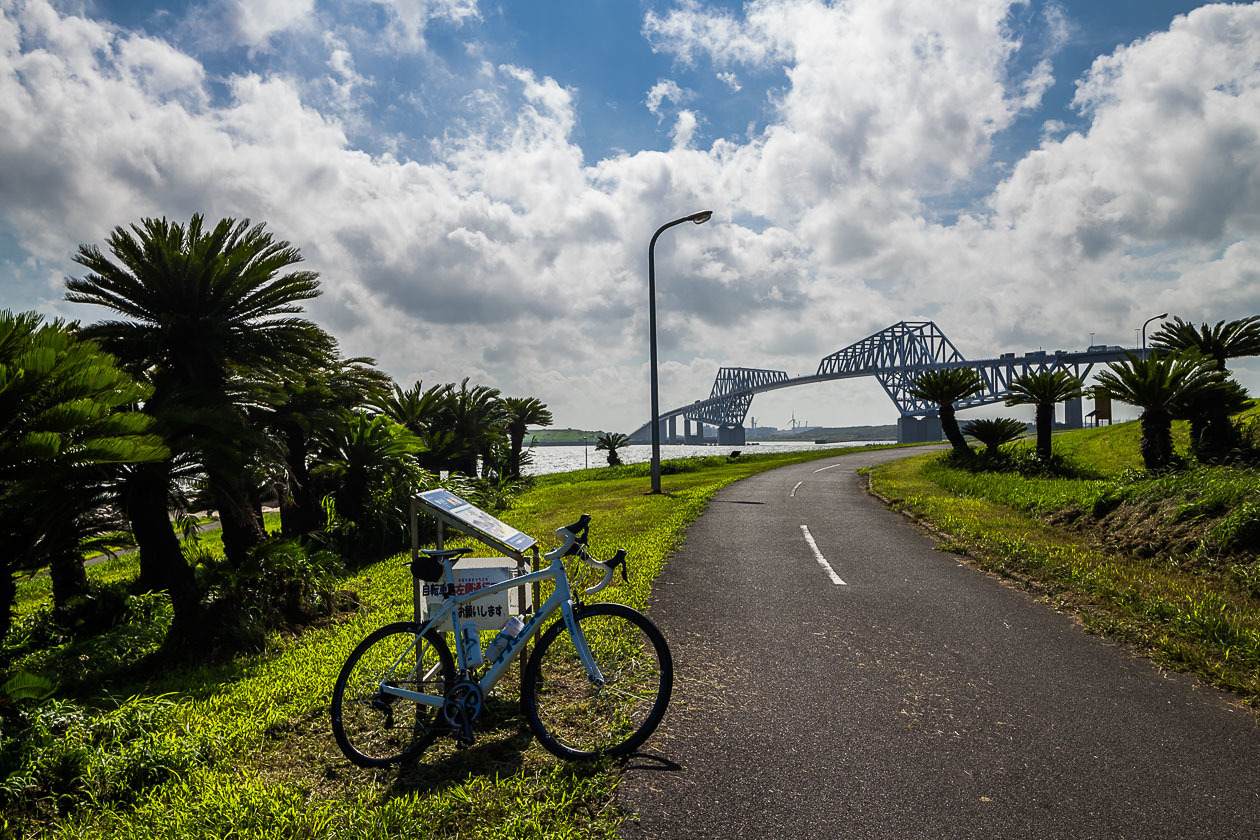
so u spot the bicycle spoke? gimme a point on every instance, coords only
(575, 718)
(374, 727)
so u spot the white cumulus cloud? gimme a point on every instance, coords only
(508, 255)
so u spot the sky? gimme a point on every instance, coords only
(477, 183)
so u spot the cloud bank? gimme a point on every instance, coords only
(871, 194)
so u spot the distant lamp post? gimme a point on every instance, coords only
(1147, 321)
(586, 454)
(698, 218)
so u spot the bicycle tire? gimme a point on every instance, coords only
(574, 719)
(375, 731)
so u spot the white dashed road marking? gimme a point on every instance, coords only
(822, 561)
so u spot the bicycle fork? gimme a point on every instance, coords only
(580, 644)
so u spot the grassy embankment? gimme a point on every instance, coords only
(242, 748)
(1166, 563)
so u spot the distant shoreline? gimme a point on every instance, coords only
(712, 442)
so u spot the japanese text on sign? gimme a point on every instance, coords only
(473, 575)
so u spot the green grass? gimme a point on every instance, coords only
(1194, 616)
(258, 759)
(34, 593)
(1031, 495)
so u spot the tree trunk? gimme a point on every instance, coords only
(145, 505)
(1219, 436)
(69, 579)
(162, 563)
(307, 515)
(1156, 445)
(1045, 428)
(241, 531)
(467, 465)
(8, 594)
(949, 425)
(517, 443)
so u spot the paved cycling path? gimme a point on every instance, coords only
(919, 699)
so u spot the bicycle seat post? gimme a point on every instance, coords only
(417, 592)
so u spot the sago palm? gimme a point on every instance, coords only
(476, 416)
(946, 387)
(426, 413)
(1161, 385)
(1211, 433)
(993, 432)
(610, 442)
(1043, 390)
(311, 401)
(202, 311)
(522, 412)
(363, 459)
(65, 423)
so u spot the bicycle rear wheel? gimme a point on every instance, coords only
(374, 728)
(575, 719)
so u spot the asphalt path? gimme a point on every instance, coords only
(920, 698)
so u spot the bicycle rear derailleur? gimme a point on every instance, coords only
(463, 704)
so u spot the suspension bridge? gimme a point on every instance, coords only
(895, 356)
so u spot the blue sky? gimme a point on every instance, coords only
(477, 182)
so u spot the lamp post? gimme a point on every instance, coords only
(698, 218)
(586, 454)
(1147, 321)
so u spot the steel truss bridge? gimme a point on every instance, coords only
(895, 356)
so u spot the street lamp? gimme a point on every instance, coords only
(1147, 321)
(698, 218)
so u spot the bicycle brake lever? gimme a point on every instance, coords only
(619, 559)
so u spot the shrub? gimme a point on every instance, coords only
(281, 585)
(59, 753)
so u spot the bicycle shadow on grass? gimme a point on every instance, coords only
(503, 739)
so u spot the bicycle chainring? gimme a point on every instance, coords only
(464, 703)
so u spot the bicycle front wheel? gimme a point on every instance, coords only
(576, 719)
(372, 726)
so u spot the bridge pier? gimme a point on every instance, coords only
(912, 429)
(1073, 414)
(730, 436)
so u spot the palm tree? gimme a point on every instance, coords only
(1211, 433)
(364, 460)
(207, 313)
(477, 418)
(945, 387)
(1161, 385)
(611, 442)
(65, 420)
(312, 401)
(1044, 390)
(994, 432)
(522, 412)
(427, 414)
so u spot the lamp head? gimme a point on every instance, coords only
(701, 217)
(1165, 315)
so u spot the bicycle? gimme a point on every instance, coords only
(597, 684)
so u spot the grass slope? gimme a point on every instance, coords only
(1148, 560)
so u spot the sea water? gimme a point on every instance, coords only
(554, 459)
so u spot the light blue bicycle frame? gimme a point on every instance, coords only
(561, 599)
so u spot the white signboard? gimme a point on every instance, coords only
(472, 574)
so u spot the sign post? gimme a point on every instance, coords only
(476, 572)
